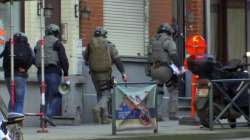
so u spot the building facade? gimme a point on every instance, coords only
(130, 25)
(27, 18)
(229, 25)
(223, 23)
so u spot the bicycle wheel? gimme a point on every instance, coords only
(16, 134)
(19, 134)
(3, 108)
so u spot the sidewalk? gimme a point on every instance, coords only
(168, 130)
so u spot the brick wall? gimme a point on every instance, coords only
(96, 18)
(194, 17)
(160, 11)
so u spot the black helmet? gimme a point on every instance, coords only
(20, 36)
(99, 31)
(165, 28)
(52, 29)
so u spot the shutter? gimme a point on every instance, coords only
(125, 22)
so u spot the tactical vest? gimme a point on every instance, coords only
(99, 55)
(50, 55)
(159, 54)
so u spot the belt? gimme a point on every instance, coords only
(159, 64)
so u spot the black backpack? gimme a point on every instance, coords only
(22, 54)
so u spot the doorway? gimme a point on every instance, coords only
(56, 12)
(228, 35)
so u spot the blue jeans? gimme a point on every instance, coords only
(20, 91)
(53, 99)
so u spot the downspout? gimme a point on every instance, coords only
(146, 28)
(247, 12)
(207, 21)
(181, 30)
(247, 15)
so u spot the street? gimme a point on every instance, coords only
(248, 138)
(167, 130)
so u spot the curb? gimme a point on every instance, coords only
(202, 135)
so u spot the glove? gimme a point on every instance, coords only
(125, 78)
(66, 79)
(175, 69)
(86, 63)
(183, 70)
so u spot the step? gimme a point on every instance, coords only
(184, 98)
(184, 108)
(184, 101)
(64, 120)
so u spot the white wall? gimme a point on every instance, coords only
(71, 31)
(32, 28)
(236, 38)
(72, 45)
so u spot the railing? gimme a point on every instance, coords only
(244, 85)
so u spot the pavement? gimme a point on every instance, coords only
(168, 130)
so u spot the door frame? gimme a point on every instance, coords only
(223, 25)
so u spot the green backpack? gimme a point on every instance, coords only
(99, 55)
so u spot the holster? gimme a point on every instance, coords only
(109, 84)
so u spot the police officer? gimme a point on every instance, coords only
(164, 68)
(56, 64)
(99, 55)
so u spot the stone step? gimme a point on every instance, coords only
(184, 101)
(64, 120)
(184, 108)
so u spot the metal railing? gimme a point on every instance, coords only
(244, 85)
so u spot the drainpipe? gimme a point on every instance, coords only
(207, 21)
(146, 27)
(184, 90)
(247, 19)
(247, 16)
(181, 26)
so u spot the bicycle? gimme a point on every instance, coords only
(9, 123)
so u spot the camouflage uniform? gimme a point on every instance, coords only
(162, 53)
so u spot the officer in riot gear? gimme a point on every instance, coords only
(164, 68)
(99, 55)
(100, 32)
(52, 29)
(56, 65)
